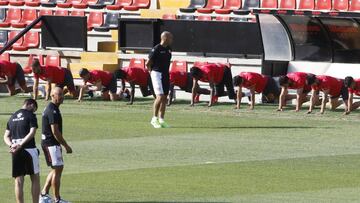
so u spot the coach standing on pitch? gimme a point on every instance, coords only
(19, 136)
(52, 139)
(158, 65)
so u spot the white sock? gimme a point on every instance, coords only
(154, 118)
(161, 120)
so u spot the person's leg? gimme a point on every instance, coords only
(56, 180)
(19, 189)
(20, 77)
(157, 105)
(35, 187)
(113, 96)
(229, 83)
(335, 103)
(163, 106)
(105, 95)
(47, 185)
(355, 105)
(11, 89)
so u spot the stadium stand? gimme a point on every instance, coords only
(138, 4)
(51, 60)
(84, 4)
(61, 12)
(49, 3)
(4, 3)
(229, 6)
(211, 6)
(180, 66)
(28, 16)
(324, 5)
(3, 37)
(13, 16)
(248, 5)
(95, 19)
(187, 17)
(32, 3)
(12, 35)
(341, 5)
(204, 18)
(2, 14)
(16, 2)
(119, 4)
(355, 5)
(169, 17)
(78, 13)
(137, 63)
(269, 4)
(287, 4)
(222, 18)
(31, 40)
(111, 22)
(194, 5)
(306, 5)
(5, 57)
(101, 4)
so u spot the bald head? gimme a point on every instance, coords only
(166, 38)
(57, 96)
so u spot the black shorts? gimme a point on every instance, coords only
(344, 93)
(147, 90)
(25, 162)
(53, 155)
(112, 87)
(19, 76)
(226, 82)
(189, 83)
(68, 81)
(272, 87)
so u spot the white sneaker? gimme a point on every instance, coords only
(62, 201)
(45, 199)
(155, 123)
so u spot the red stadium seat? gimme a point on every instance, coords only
(199, 64)
(211, 6)
(288, 4)
(355, 5)
(61, 13)
(169, 17)
(179, 66)
(12, 35)
(52, 60)
(230, 5)
(138, 4)
(307, 5)
(67, 3)
(204, 18)
(77, 13)
(323, 5)
(84, 4)
(29, 15)
(95, 19)
(341, 5)
(16, 2)
(137, 63)
(119, 4)
(31, 40)
(5, 57)
(222, 18)
(27, 69)
(4, 2)
(13, 16)
(32, 3)
(44, 13)
(269, 4)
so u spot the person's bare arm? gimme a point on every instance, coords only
(212, 91)
(350, 103)
(312, 101)
(193, 91)
(26, 139)
(132, 93)
(282, 98)
(171, 94)
(59, 137)
(324, 101)
(4, 80)
(36, 88)
(48, 90)
(123, 86)
(149, 64)
(239, 97)
(299, 92)
(97, 86)
(7, 138)
(252, 93)
(81, 92)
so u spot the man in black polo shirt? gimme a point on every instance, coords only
(52, 139)
(19, 136)
(158, 65)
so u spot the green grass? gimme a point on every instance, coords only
(209, 155)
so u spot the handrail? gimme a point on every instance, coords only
(22, 33)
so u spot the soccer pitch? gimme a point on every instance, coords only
(209, 155)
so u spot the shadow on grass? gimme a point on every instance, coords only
(143, 202)
(245, 127)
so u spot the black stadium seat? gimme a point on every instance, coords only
(50, 3)
(3, 37)
(248, 5)
(186, 17)
(2, 14)
(194, 4)
(111, 22)
(102, 4)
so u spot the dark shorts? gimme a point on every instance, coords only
(19, 77)
(53, 155)
(344, 93)
(165, 79)
(147, 90)
(68, 81)
(272, 87)
(226, 82)
(112, 87)
(189, 83)
(25, 162)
